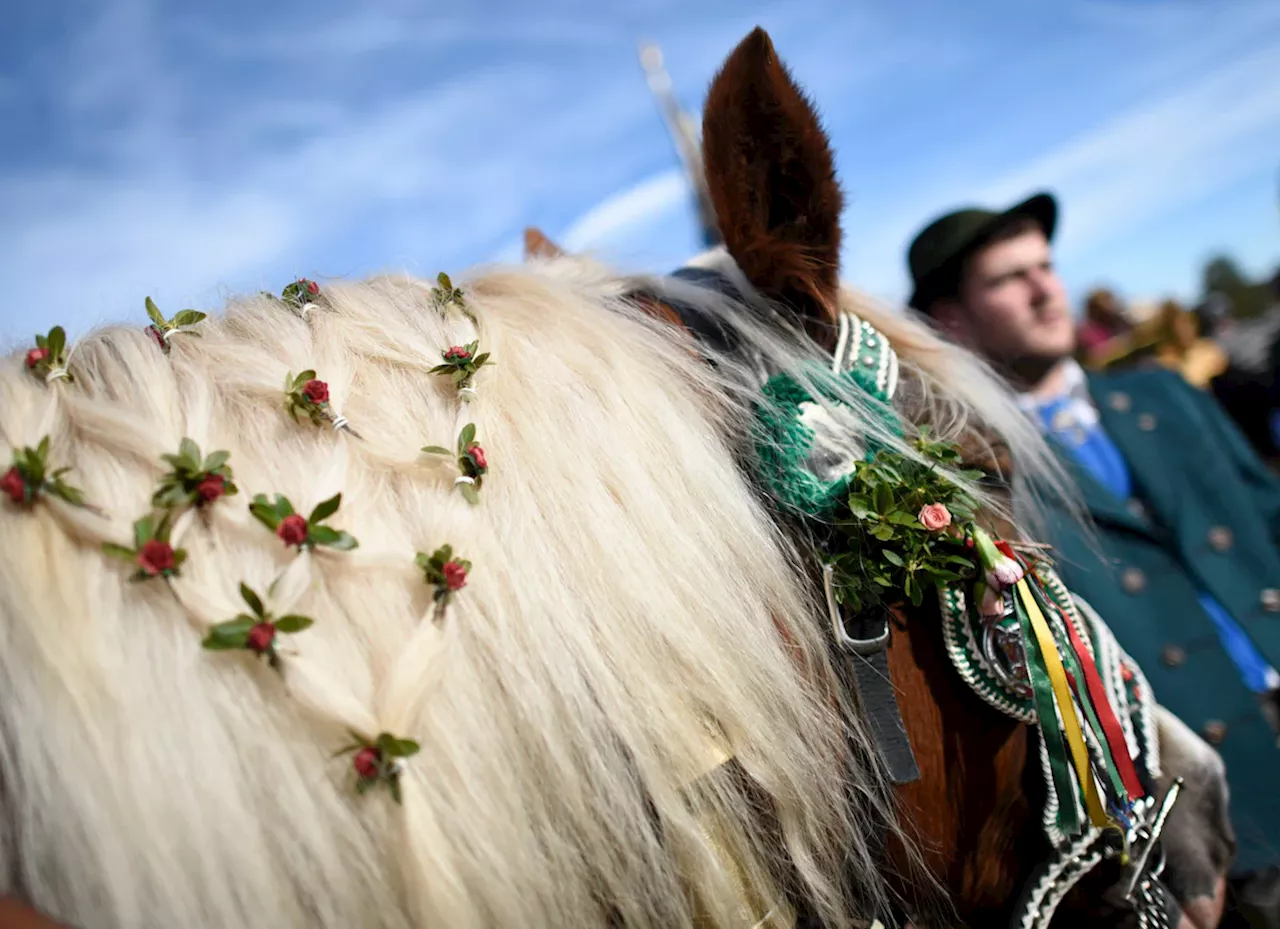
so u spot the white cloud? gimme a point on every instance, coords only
(625, 212)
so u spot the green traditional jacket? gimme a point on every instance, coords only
(1205, 517)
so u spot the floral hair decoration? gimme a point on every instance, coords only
(446, 573)
(308, 395)
(301, 295)
(461, 363)
(29, 477)
(445, 295)
(194, 480)
(472, 461)
(257, 631)
(152, 552)
(161, 329)
(50, 356)
(307, 532)
(379, 761)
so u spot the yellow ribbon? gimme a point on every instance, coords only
(1062, 692)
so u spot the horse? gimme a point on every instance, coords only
(973, 802)
(270, 659)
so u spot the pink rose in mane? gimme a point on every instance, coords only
(292, 529)
(13, 484)
(316, 391)
(261, 636)
(156, 557)
(935, 517)
(455, 575)
(36, 355)
(457, 353)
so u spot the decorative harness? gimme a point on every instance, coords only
(1043, 657)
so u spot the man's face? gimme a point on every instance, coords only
(1013, 307)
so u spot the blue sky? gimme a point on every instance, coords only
(187, 151)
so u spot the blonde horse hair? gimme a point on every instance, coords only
(618, 627)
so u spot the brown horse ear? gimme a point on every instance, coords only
(772, 179)
(537, 245)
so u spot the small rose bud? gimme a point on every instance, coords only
(292, 529)
(211, 488)
(316, 391)
(1126, 672)
(366, 762)
(36, 355)
(457, 353)
(455, 575)
(13, 484)
(477, 456)
(935, 517)
(156, 336)
(312, 287)
(261, 636)
(156, 557)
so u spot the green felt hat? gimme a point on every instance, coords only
(946, 241)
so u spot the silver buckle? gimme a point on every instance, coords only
(842, 637)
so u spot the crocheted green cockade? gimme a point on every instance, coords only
(786, 442)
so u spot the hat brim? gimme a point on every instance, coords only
(1041, 207)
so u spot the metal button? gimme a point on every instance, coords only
(1173, 656)
(1133, 581)
(1220, 538)
(1271, 600)
(1146, 422)
(1120, 402)
(1137, 509)
(1214, 731)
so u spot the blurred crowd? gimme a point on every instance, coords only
(1236, 359)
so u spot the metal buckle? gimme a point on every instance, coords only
(842, 637)
(1139, 875)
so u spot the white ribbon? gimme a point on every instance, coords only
(57, 374)
(463, 479)
(468, 394)
(339, 422)
(306, 309)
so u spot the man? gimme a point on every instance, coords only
(1185, 561)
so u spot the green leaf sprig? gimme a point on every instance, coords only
(472, 461)
(29, 476)
(884, 553)
(279, 516)
(162, 329)
(194, 480)
(445, 295)
(307, 395)
(378, 761)
(49, 355)
(256, 631)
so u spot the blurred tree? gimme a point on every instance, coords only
(1248, 298)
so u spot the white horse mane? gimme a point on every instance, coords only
(616, 640)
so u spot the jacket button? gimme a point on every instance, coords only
(1120, 402)
(1214, 731)
(1137, 509)
(1220, 538)
(1146, 422)
(1133, 581)
(1271, 600)
(1173, 656)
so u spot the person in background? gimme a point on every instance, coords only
(1183, 560)
(1104, 323)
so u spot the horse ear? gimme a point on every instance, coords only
(537, 245)
(771, 176)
